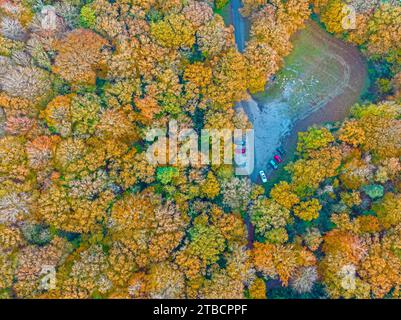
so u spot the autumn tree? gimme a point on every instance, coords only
(80, 56)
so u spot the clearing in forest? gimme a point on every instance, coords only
(321, 79)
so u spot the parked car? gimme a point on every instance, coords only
(281, 151)
(240, 150)
(239, 142)
(240, 160)
(278, 159)
(273, 164)
(262, 175)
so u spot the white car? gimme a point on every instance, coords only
(262, 175)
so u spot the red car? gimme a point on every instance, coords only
(278, 159)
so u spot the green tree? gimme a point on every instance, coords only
(166, 175)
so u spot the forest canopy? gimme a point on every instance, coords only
(80, 85)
